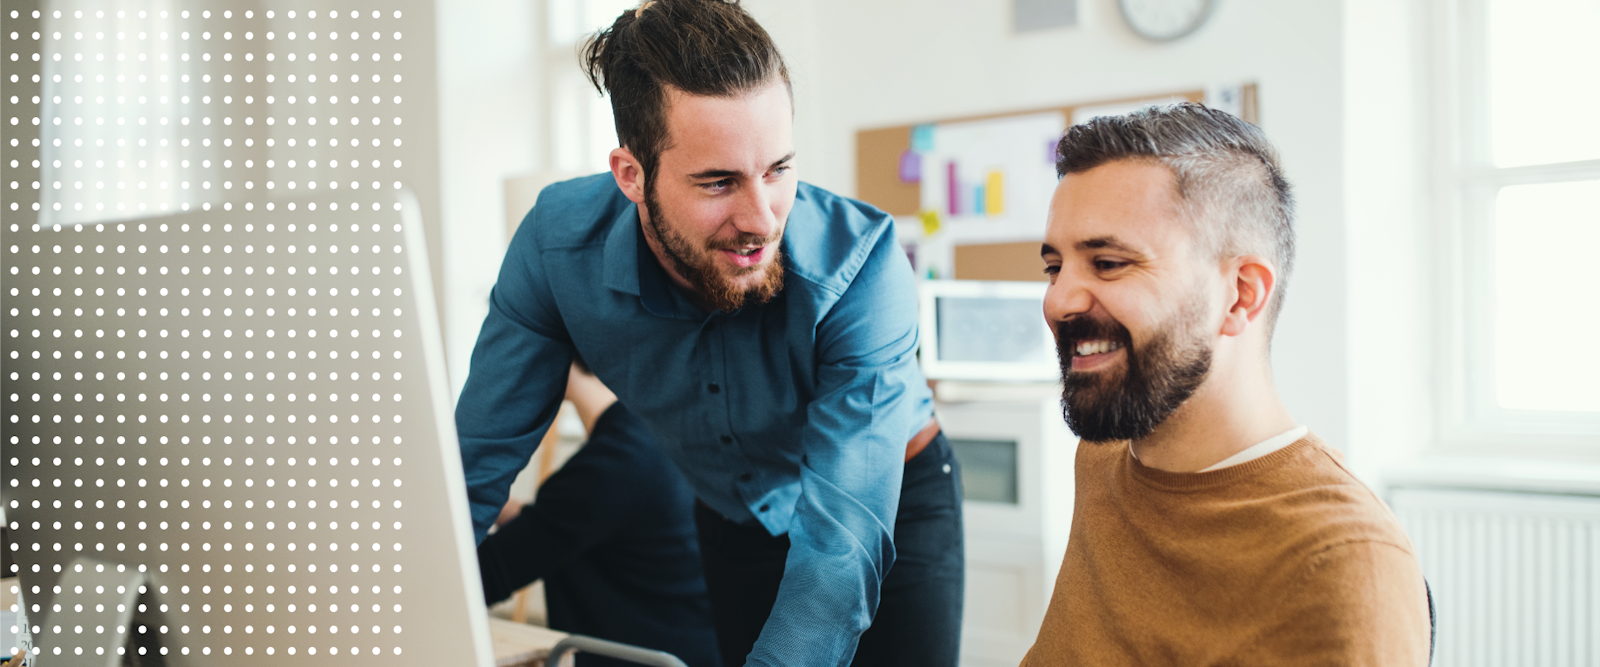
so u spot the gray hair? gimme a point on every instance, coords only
(1228, 178)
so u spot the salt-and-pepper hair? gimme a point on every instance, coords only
(1229, 181)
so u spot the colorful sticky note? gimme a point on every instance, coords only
(979, 201)
(994, 193)
(922, 138)
(930, 222)
(910, 167)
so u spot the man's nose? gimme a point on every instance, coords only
(1066, 297)
(755, 214)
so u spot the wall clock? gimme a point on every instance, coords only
(1165, 20)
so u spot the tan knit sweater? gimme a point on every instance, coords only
(1284, 560)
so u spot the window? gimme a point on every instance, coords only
(581, 130)
(1521, 192)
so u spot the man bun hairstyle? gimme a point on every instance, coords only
(710, 48)
(1228, 177)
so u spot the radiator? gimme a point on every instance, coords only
(1515, 576)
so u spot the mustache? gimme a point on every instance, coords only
(1090, 328)
(743, 240)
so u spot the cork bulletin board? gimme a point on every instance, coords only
(893, 172)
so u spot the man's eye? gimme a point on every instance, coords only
(1052, 269)
(1108, 264)
(717, 185)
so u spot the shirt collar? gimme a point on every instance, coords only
(654, 287)
(631, 267)
(1262, 448)
(622, 251)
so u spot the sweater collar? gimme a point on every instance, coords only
(1188, 481)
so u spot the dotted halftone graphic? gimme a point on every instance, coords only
(150, 367)
(213, 372)
(148, 111)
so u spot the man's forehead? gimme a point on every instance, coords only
(1128, 205)
(749, 130)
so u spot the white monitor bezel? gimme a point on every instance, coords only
(934, 368)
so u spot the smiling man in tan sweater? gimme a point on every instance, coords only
(1210, 528)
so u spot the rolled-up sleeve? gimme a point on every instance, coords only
(514, 387)
(841, 539)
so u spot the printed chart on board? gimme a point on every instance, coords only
(986, 180)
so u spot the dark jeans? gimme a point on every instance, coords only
(918, 622)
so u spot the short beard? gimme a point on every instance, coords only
(697, 267)
(1158, 377)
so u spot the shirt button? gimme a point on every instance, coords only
(745, 477)
(727, 439)
(766, 507)
(714, 388)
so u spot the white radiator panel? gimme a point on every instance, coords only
(1515, 577)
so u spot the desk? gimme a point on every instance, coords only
(515, 644)
(520, 644)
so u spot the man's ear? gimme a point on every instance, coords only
(629, 174)
(1254, 282)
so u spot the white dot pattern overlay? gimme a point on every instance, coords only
(241, 411)
(216, 373)
(143, 111)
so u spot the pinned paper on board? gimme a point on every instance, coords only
(994, 190)
(952, 188)
(991, 171)
(910, 166)
(1227, 97)
(922, 138)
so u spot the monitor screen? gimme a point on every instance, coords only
(231, 430)
(991, 331)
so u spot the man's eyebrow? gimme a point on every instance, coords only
(1047, 249)
(1100, 242)
(729, 173)
(713, 173)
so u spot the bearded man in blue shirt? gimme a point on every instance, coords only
(763, 328)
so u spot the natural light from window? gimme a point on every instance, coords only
(1542, 144)
(1544, 81)
(586, 133)
(1547, 297)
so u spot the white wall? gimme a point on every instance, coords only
(489, 115)
(1391, 328)
(887, 62)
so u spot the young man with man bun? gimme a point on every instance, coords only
(766, 332)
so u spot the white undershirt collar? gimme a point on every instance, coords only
(1263, 448)
(1255, 451)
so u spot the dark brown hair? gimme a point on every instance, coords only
(1228, 176)
(701, 47)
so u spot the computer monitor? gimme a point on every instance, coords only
(986, 331)
(246, 414)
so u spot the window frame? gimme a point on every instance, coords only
(577, 117)
(1466, 185)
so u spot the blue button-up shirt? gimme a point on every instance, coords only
(794, 413)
